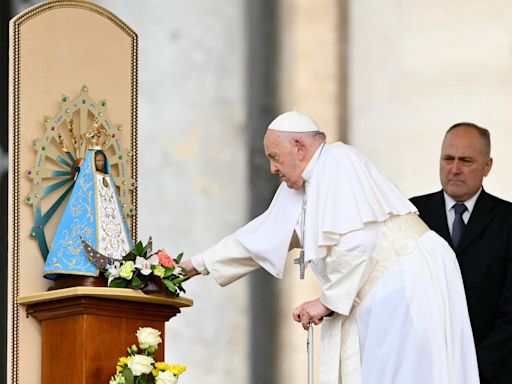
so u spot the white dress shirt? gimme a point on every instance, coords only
(450, 213)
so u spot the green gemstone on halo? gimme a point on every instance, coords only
(132, 210)
(33, 234)
(120, 157)
(43, 148)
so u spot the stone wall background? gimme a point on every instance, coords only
(416, 68)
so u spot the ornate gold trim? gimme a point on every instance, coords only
(16, 23)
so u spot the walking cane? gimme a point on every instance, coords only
(309, 347)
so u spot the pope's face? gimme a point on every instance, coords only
(463, 163)
(99, 161)
(284, 158)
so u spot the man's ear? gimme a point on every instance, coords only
(487, 166)
(300, 148)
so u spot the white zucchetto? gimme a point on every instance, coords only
(293, 122)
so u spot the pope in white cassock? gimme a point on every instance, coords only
(392, 304)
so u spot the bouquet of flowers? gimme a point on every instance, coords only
(140, 268)
(139, 367)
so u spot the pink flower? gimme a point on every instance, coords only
(166, 260)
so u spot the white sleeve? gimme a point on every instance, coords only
(198, 263)
(347, 267)
(344, 274)
(226, 261)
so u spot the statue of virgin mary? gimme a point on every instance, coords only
(93, 213)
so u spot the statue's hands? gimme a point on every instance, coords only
(191, 271)
(310, 312)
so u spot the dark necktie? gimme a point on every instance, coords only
(458, 223)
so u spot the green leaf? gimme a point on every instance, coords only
(118, 283)
(170, 285)
(179, 257)
(179, 280)
(139, 248)
(169, 271)
(136, 282)
(128, 375)
(130, 256)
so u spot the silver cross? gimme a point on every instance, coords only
(300, 260)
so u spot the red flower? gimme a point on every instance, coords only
(166, 260)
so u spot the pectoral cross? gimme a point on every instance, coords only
(300, 260)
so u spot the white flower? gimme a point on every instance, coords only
(148, 338)
(140, 364)
(145, 264)
(166, 377)
(117, 379)
(115, 271)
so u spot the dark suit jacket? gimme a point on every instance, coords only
(485, 260)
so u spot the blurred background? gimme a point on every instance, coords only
(388, 77)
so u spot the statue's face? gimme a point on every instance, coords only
(99, 162)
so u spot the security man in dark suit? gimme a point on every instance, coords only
(478, 226)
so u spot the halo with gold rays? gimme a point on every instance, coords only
(59, 154)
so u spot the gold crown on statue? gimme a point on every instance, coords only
(96, 137)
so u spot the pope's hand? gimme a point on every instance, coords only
(189, 267)
(310, 312)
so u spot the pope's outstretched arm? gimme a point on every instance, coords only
(189, 267)
(227, 261)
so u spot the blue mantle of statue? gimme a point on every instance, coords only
(94, 213)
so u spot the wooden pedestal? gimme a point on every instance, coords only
(85, 330)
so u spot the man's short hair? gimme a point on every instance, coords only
(485, 135)
(321, 134)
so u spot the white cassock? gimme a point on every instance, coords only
(394, 285)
